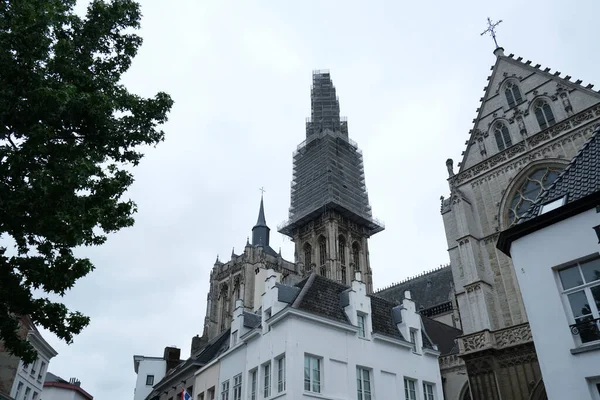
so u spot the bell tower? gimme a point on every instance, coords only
(330, 218)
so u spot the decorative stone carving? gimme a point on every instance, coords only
(513, 336)
(475, 342)
(450, 167)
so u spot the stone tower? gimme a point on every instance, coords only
(330, 219)
(529, 125)
(243, 278)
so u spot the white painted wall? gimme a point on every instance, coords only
(534, 256)
(54, 393)
(33, 375)
(341, 350)
(148, 366)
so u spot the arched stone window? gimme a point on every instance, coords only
(544, 114)
(528, 191)
(344, 275)
(322, 250)
(513, 94)
(224, 306)
(307, 254)
(323, 271)
(502, 136)
(342, 249)
(356, 255)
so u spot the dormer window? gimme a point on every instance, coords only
(361, 326)
(513, 94)
(544, 114)
(502, 136)
(413, 339)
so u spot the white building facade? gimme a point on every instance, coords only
(149, 370)
(321, 339)
(29, 379)
(555, 250)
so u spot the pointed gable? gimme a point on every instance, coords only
(516, 111)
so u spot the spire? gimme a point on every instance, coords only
(325, 107)
(260, 232)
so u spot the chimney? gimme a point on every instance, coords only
(198, 342)
(75, 382)
(171, 356)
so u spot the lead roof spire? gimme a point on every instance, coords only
(261, 232)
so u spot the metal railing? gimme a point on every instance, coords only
(587, 330)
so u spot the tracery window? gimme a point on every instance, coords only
(307, 255)
(356, 255)
(544, 114)
(513, 94)
(530, 190)
(502, 136)
(342, 247)
(322, 250)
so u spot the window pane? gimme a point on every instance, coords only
(570, 277)
(591, 270)
(579, 304)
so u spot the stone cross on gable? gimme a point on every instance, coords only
(492, 30)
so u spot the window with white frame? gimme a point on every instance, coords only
(312, 374)
(237, 387)
(363, 383)
(34, 367)
(413, 339)
(19, 389)
(410, 389)
(361, 325)
(253, 383)
(27, 393)
(149, 380)
(267, 380)
(42, 371)
(225, 390)
(35, 396)
(581, 287)
(428, 391)
(280, 374)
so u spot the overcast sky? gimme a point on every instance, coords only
(409, 76)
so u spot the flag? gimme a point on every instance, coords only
(186, 396)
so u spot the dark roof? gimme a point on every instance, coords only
(428, 290)
(381, 318)
(321, 297)
(444, 336)
(581, 178)
(50, 377)
(52, 380)
(251, 320)
(579, 184)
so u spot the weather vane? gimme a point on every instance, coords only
(492, 30)
(262, 190)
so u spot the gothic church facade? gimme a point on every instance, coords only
(530, 124)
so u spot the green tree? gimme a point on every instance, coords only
(69, 131)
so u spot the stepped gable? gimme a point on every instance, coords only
(427, 290)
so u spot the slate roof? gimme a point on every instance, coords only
(580, 179)
(381, 317)
(321, 297)
(428, 290)
(444, 336)
(251, 320)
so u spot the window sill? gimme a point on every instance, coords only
(364, 338)
(317, 395)
(584, 348)
(278, 395)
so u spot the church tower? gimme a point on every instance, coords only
(330, 219)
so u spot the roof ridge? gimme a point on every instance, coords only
(410, 278)
(305, 288)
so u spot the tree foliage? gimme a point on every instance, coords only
(69, 130)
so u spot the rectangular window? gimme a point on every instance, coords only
(428, 391)
(211, 393)
(280, 374)
(225, 390)
(35, 396)
(235, 337)
(201, 396)
(34, 367)
(413, 339)
(312, 374)
(150, 380)
(361, 326)
(19, 389)
(253, 381)
(363, 383)
(410, 389)
(267, 380)
(42, 371)
(237, 387)
(581, 289)
(27, 393)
